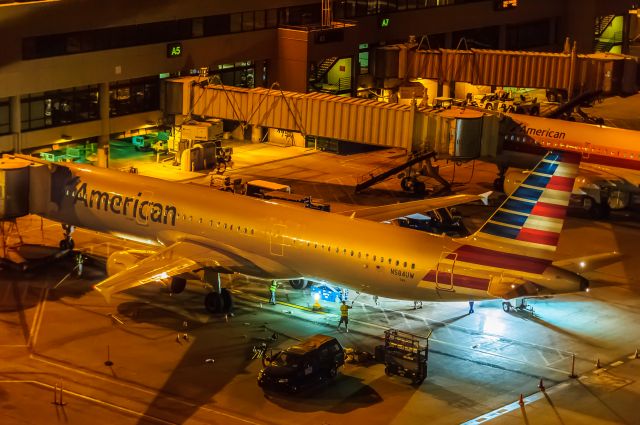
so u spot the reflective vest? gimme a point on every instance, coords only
(344, 310)
(273, 287)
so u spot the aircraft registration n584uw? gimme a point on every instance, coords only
(203, 232)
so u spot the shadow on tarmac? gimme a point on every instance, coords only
(342, 395)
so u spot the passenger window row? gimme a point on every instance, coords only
(353, 253)
(219, 224)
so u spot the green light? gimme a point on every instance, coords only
(385, 22)
(174, 50)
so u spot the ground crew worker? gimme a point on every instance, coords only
(470, 307)
(344, 315)
(272, 289)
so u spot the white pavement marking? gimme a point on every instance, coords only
(515, 405)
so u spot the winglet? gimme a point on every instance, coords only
(484, 197)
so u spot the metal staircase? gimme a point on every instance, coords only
(316, 79)
(602, 23)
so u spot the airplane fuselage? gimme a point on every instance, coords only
(283, 241)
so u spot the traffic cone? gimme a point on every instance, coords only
(598, 366)
(316, 304)
(521, 401)
(541, 385)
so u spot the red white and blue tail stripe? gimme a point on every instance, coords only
(531, 218)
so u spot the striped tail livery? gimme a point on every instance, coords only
(511, 255)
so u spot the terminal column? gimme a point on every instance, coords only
(16, 122)
(103, 140)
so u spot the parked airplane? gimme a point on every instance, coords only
(206, 232)
(610, 158)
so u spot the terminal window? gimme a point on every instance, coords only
(59, 107)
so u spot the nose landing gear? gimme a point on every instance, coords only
(67, 243)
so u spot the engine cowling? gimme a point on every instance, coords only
(122, 260)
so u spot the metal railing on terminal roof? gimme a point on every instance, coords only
(319, 27)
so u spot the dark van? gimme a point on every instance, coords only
(310, 361)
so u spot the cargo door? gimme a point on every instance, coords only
(276, 239)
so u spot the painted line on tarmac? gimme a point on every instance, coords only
(89, 398)
(151, 392)
(37, 319)
(516, 405)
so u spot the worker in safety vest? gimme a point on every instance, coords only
(344, 315)
(272, 289)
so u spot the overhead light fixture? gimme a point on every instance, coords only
(66, 137)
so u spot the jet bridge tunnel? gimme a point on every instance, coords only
(27, 187)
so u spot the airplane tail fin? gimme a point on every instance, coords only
(529, 221)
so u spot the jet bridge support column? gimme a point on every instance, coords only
(103, 141)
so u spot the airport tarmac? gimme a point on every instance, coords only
(57, 331)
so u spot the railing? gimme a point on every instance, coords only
(343, 23)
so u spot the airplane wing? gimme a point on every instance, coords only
(388, 212)
(181, 257)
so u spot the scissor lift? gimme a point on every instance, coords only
(406, 355)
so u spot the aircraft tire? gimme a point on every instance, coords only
(406, 184)
(227, 300)
(298, 283)
(213, 303)
(178, 284)
(419, 188)
(67, 244)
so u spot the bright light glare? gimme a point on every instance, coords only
(316, 297)
(582, 264)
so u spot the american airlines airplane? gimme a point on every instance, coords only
(610, 158)
(196, 231)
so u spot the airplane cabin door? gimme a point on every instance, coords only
(444, 271)
(276, 239)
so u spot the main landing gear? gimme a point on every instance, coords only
(219, 301)
(67, 243)
(522, 306)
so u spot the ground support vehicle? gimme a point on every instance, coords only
(309, 362)
(406, 355)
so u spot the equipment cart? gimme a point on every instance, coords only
(406, 354)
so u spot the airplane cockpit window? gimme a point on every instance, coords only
(200, 220)
(352, 253)
(413, 265)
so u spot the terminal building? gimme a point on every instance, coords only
(74, 71)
